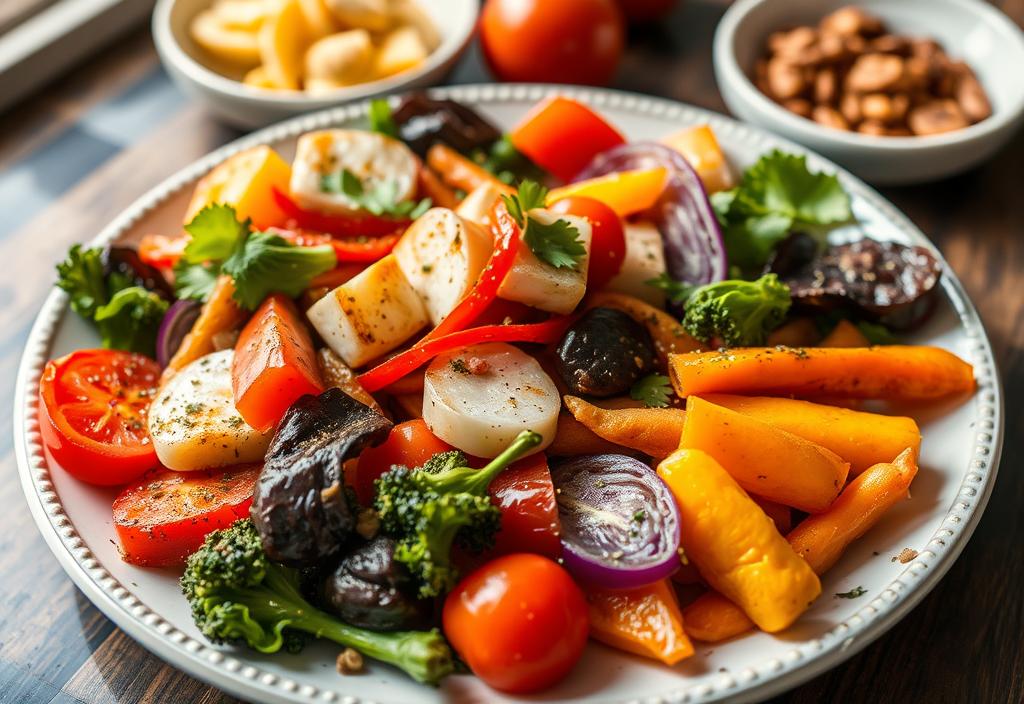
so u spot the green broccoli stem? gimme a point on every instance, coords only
(476, 481)
(424, 655)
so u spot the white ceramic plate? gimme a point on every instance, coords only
(962, 439)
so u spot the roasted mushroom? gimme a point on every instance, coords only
(887, 282)
(604, 353)
(370, 589)
(301, 507)
(423, 121)
(125, 261)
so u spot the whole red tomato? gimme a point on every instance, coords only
(607, 240)
(555, 41)
(646, 10)
(519, 622)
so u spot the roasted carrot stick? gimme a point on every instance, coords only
(653, 431)
(845, 334)
(735, 545)
(219, 314)
(459, 172)
(782, 516)
(668, 335)
(763, 459)
(820, 540)
(573, 438)
(430, 186)
(862, 439)
(894, 372)
(645, 621)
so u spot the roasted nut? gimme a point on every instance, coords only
(900, 131)
(829, 117)
(831, 47)
(872, 127)
(972, 99)
(855, 45)
(850, 21)
(825, 84)
(876, 107)
(900, 104)
(874, 73)
(799, 106)
(890, 44)
(936, 117)
(792, 43)
(784, 79)
(849, 106)
(917, 72)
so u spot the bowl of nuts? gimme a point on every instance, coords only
(898, 92)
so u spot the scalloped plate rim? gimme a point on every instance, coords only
(183, 652)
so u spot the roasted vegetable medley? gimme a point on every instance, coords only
(432, 376)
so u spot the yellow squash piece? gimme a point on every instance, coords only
(245, 181)
(234, 46)
(625, 192)
(734, 545)
(400, 50)
(319, 21)
(700, 147)
(283, 41)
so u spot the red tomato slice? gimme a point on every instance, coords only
(274, 364)
(529, 512)
(608, 237)
(92, 414)
(163, 518)
(410, 444)
(562, 136)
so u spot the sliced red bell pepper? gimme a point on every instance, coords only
(356, 249)
(338, 225)
(161, 251)
(401, 364)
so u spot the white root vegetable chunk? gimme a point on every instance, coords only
(193, 421)
(442, 256)
(371, 157)
(536, 283)
(645, 260)
(479, 398)
(476, 207)
(369, 315)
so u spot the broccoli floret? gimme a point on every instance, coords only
(238, 594)
(739, 313)
(424, 509)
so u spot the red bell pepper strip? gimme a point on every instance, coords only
(337, 225)
(161, 251)
(506, 240)
(406, 362)
(358, 249)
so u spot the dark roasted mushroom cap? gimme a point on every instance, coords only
(371, 590)
(888, 282)
(423, 121)
(604, 353)
(301, 507)
(126, 261)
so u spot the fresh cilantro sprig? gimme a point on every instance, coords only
(654, 390)
(126, 316)
(382, 198)
(557, 243)
(777, 195)
(260, 263)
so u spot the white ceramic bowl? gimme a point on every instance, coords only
(248, 107)
(968, 29)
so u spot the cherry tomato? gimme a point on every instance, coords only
(519, 622)
(568, 41)
(608, 238)
(529, 513)
(410, 444)
(646, 10)
(93, 406)
(163, 518)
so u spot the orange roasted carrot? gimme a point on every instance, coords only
(734, 545)
(764, 459)
(845, 334)
(220, 313)
(430, 186)
(653, 431)
(574, 438)
(862, 439)
(893, 372)
(782, 516)
(820, 540)
(668, 335)
(645, 621)
(459, 172)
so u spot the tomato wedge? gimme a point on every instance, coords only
(359, 249)
(410, 444)
(164, 517)
(563, 135)
(93, 406)
(275, 363)
(607, 240)
(529, 513)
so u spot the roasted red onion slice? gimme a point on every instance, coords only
(694, 249)
(177, 322)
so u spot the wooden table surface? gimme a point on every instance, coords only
(74, 156)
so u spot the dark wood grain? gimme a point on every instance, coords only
(963, 643)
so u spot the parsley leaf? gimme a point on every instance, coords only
(777, 194)
(854, 593)
(126, 316)
(654, 390)
(677, 291)
(216, 233)
(195, 280)
(267, 263)
(380, 199)
(531, 195)
(381, 118)
(507, 163)
(557, 243)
